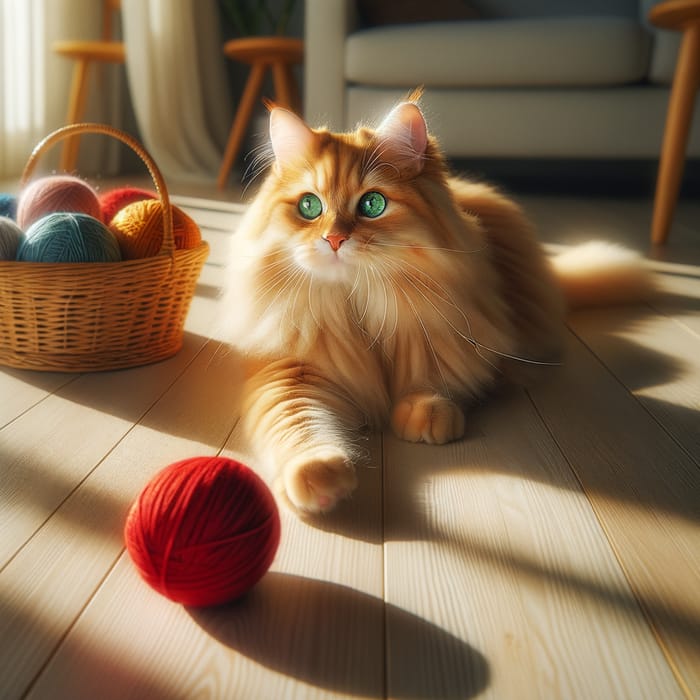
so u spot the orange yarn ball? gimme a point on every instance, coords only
(56, 193)
(139, 229)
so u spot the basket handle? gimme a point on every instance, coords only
(168, 246)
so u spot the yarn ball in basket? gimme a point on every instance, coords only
(8, 205)
(114, 200)
(139, 229)
(11, 236)
(56, 193)
(203, 531)
(69, 238)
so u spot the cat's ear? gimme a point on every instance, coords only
(289, 135)
(405, 137)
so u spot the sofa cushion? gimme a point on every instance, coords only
(566, 51)
(375, 13)
(555, 8)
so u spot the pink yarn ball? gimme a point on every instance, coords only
(56, 193)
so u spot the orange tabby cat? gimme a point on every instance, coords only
(368, 286)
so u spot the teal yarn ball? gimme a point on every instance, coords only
(8, 205)
(11, 236)
(69, 238)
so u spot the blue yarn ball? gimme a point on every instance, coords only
(69, 238)
(8, 205)
(11, 237)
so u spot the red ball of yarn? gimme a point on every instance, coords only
(56, 193)
(114, 200)
(203, 531)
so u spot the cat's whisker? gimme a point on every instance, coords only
(354, 285)
(469, 338)
(526, 360)
(429, 343)
(297, 281)
(376, 163)
(393, 284)
(311, 304)
(478, 346)
(378, 334)
(412, 246)
(396, 307)
(261, 158)
(272, 282)
(221, 349)
(369, 160)
(367, 295)
(274, 267)
(288, 281)
(444, 296)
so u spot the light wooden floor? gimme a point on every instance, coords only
(552, 553)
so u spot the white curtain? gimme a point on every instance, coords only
(176, 75)
(178, 85)
(34, 82)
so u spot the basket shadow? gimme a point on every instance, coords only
(333, 637)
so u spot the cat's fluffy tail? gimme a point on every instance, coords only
(600, 274)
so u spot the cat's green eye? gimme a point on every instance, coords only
(372, 204)
(310, 206)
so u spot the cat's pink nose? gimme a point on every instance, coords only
(335, 240)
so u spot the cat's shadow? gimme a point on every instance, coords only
(412, 465)
(333, 637)
(405, 517)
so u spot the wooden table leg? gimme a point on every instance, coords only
(240, 123)
(680, 111)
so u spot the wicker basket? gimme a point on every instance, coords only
(82, 317)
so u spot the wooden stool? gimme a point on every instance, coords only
(84, 53)
(277, 53)
(683, 15)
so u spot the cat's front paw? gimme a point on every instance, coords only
(427, 417)
(316, 483)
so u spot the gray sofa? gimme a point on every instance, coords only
(523, 79)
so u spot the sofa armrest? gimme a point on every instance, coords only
(327, 23)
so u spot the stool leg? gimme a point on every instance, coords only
(293, 88)
(240, 122)
(283, 89)
(680, 111)
(76, 108)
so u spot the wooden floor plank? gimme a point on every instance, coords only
(680, 294)
(49, 450)
(22, 389)
(656, 358)
(47, 584)
(552, 553)
(313, 627)
(493, 544)
(645, 491)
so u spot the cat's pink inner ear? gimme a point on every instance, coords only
(289, 135)
(406, 136)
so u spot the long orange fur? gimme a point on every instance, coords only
(415, 313)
